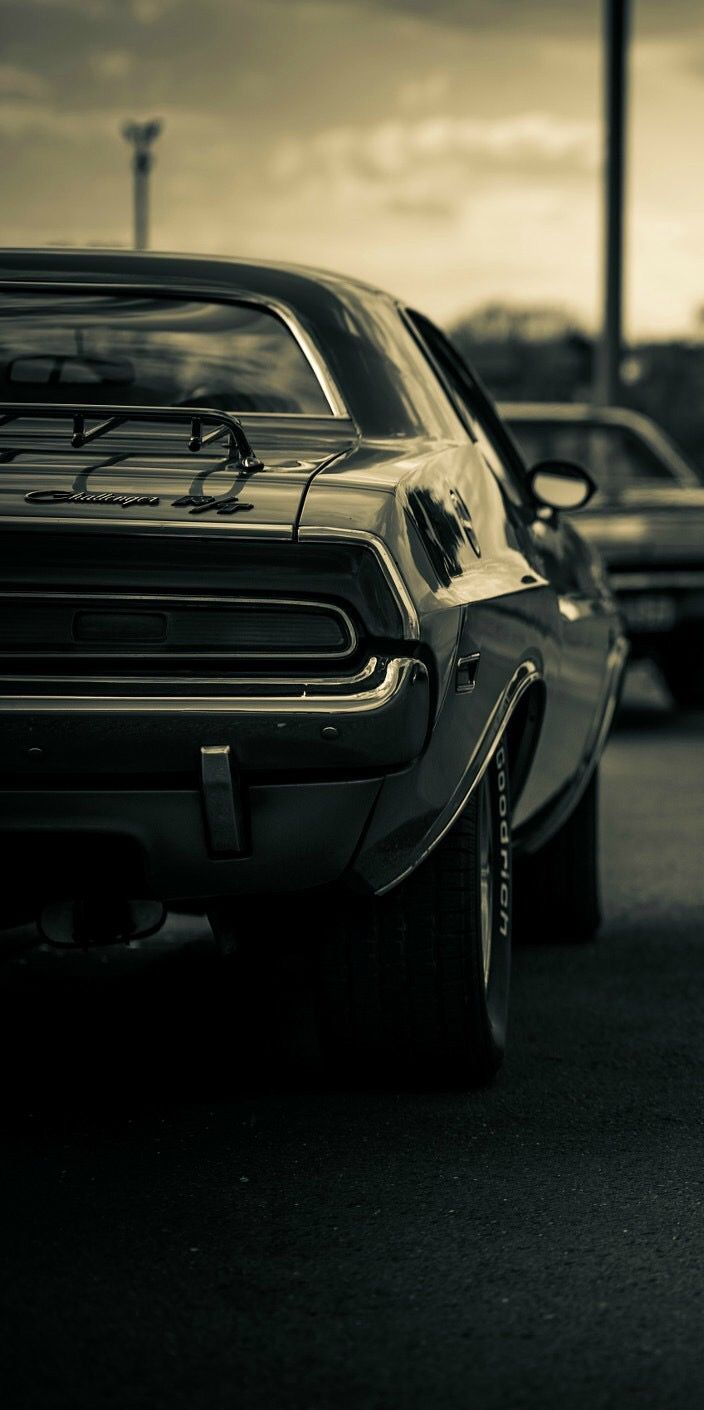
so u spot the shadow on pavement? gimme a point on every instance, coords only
(647, 705)
(195, 1216)
(171, 1020)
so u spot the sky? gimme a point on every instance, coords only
(448, 150)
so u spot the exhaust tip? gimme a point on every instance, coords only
(94, 921)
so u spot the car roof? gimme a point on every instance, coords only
(229, 273)
(589, 414)
(574, 411)
(338, 315)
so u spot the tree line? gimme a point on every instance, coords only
(542, 354)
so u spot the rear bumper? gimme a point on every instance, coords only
(379, 717)
(107, 792)
(154, 842)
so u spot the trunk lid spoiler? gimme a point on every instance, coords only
(102, 465)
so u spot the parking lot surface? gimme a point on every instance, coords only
(195, 1216)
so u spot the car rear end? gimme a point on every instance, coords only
(195, 703)
(653, 544)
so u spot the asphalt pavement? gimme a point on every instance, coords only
(193, 1215)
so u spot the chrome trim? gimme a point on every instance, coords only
(398, 671)
(575, 607)
(391, 570)
(112, 416)
(549, 825)
(654, 582)
(473, 658)
(282, 311)
(317, 421)
(524, 676)
(486, 878)
(159, 524)
(193, 600)
(616, 664)
(327, 384)
(302, 683)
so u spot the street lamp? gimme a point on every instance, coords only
(141, 136)
(608, 378)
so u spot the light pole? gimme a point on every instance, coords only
(141, 136)
(608, 380)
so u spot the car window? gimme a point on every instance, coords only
(472, 402)
(615, 455)
(394, 362)
(160, 351)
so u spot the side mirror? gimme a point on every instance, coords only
(558, 484)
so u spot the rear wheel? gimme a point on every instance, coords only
(416, 983)
(556, 893)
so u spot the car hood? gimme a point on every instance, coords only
(659, 525)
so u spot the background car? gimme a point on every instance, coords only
(647, 519)
(350, 650)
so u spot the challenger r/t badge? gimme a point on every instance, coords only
(195, 504)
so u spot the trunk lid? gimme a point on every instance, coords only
(144, 476)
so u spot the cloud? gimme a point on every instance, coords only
(424, 166)
(149, 11)
(145, 12)
(91, 128)
(39, 119)
(19, 82)
(424, 92)
(112, 63)
(534, 18)
(89, 8)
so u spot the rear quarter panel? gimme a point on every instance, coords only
(499, 604)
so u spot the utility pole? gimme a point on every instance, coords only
(141, 136)
(608, 380)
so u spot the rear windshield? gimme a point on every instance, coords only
(615, 456)
(93, 348)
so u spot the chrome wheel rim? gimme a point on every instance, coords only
(486, 878)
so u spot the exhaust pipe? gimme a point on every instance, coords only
(98, 921)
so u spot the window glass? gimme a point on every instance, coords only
(615, 456)
(148, 351)
(400, 385)
(480, 420)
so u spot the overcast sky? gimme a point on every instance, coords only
(446, 149)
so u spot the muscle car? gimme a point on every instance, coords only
(285, 615)
(647, 520)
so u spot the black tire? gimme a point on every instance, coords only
(556, 889)
(684, 675)
(406, 985)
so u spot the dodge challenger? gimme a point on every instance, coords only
(285, 615)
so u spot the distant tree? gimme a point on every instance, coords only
(540, 353)
(530, 353)
(529, 323)
(669, 386)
